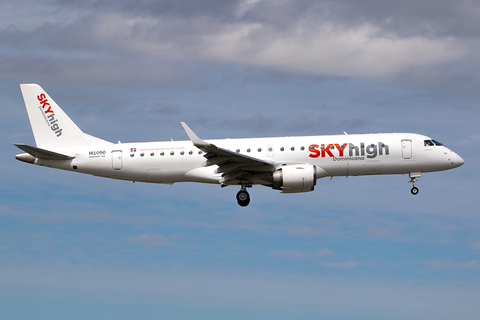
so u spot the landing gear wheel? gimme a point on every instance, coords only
(243, 198)
(414, 189)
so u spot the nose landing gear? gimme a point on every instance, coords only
(413, 179)
(243, 198)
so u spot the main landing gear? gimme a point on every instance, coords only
(243, 198)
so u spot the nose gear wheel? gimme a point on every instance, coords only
(414, 189)
(243, 198)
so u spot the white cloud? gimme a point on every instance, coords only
(378, 232)
(306, 47)
(291, 292)
(324, 252)
(328, 49)
(112, 43)
(449, 264)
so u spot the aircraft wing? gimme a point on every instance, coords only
(233, 166)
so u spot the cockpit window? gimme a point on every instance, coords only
(429, 143)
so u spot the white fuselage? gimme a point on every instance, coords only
(180, 161)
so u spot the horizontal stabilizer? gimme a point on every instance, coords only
(43, 154)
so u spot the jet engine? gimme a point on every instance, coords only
(295, 178)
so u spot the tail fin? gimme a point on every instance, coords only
(51, 127)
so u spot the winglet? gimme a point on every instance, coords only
(195, 139)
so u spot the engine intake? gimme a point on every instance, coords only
(295, 178)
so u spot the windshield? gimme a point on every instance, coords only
(431, 143)
(428, 143)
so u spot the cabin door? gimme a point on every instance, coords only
(117, 162)
(407, 149)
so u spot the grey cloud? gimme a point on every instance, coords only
(179, 9)
(111, 41)
(157, 112)
(178, 44)
(412, 18)
(77, 53)
(428, 18)
(402, 18)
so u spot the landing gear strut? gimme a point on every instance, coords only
(243, 198)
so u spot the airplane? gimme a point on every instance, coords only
(288, 164)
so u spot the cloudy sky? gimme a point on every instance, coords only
(82, 247)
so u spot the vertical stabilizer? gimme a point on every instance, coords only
(51, 127)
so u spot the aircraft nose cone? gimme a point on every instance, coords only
(456, 160)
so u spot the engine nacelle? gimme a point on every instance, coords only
(295, 178)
